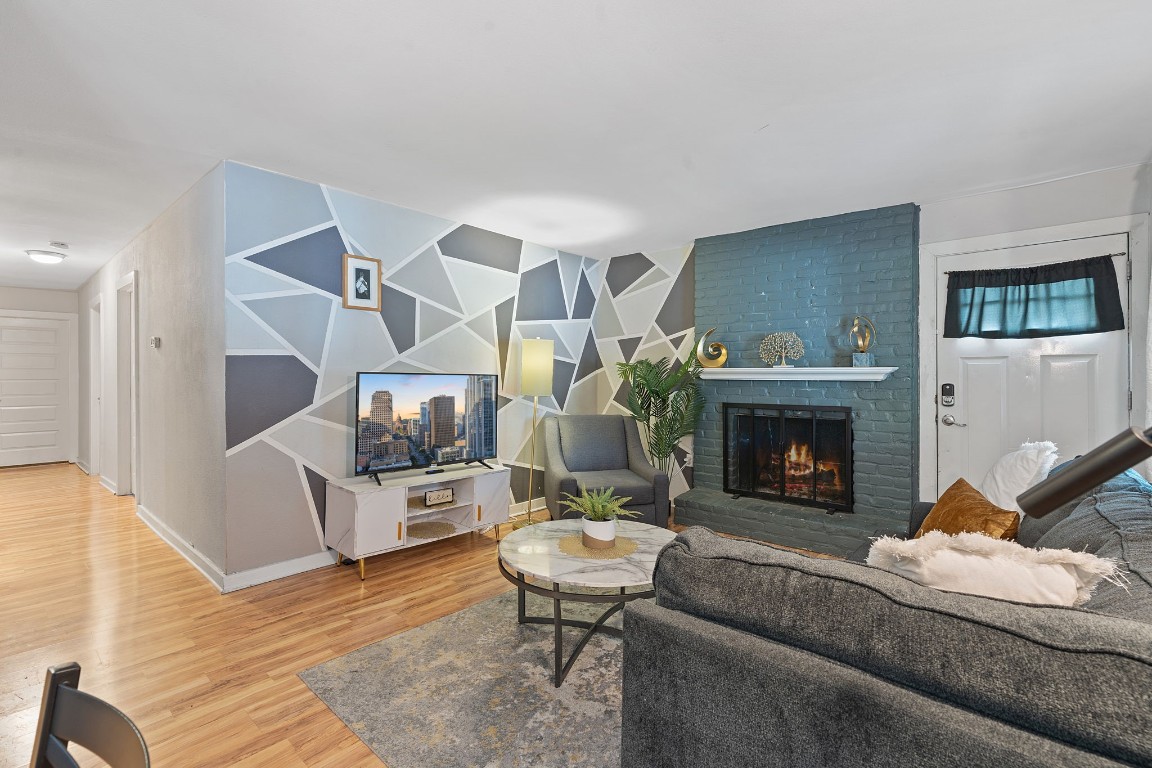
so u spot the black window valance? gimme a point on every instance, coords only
(1064, 299)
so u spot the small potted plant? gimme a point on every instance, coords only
(599, 509)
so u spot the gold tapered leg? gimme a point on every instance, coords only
(361, 569)
(339, 559)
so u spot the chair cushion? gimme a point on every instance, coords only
(592, 443)
(625, 482)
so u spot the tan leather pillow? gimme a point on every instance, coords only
(963, 509)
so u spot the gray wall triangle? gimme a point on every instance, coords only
(541, 296)
(504, 332)
(358, 343)
(261, 206)
(339, 410)
(258, 479)
(561, 380)
(242, 332)
(386, 232)
(484, 326)
(399, 312)
(241, 277)
(605, 321)
(482, 247)
(589, 359)
(570, 273)
(679, 310)
(433, 320)
(426, 277)
(295, 318)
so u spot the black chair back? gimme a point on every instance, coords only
(68, 714)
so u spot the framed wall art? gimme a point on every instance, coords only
(361, 283)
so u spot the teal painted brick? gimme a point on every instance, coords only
(811, 277)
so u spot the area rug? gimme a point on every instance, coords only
(475, 689)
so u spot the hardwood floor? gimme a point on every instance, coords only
(210, 679)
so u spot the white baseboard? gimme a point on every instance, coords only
(83, 467)
(254, 576)
(109, 485)
(210, 570)
(521, 507)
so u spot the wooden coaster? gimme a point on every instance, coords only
(574, 545)
(431, 530)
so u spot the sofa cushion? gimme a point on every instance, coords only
(963, 509)
(1115, 524)
(1075, 676)
(593, 443)
(624, 482)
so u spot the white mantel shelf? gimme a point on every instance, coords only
(798, 373)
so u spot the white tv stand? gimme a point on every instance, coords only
(365, 519)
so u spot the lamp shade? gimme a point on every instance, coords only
(536, 367)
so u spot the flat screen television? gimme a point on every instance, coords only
(424, 420)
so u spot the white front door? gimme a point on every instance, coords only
(1072, 390)
(34, 398)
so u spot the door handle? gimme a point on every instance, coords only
(950, 421)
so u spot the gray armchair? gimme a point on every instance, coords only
(601, 452)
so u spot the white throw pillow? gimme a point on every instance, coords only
(980, 565)
(1016, 472)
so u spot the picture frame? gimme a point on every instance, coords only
(361, 282)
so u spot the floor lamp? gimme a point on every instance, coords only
(535, 380)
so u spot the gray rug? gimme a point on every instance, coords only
(475, 689)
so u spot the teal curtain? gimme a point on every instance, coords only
(1065, 299)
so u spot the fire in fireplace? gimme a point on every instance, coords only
(801, 455)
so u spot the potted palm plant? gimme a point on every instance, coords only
(599, 510)
(666, 400)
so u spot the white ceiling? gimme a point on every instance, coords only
(596, 127)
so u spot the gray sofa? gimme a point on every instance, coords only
(601, 452)
(754, 656)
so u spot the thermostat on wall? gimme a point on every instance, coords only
(154, 342)
(439, 496)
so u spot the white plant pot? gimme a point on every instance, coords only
(599, 534)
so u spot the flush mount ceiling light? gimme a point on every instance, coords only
(45, 257)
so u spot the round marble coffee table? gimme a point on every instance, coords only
(534, 551)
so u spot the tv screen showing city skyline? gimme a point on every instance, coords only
(411, 420)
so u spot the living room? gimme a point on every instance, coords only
(211, 357)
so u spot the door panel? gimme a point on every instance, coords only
(1072, 390)
(33, 391)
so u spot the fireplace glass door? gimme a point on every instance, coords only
(798, 455)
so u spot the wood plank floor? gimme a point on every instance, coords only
(210, 679)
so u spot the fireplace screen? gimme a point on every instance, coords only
(798, 455)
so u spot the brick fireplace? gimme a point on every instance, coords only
(796, 455)
(812, 277)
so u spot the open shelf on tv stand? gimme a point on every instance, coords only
(369, 516)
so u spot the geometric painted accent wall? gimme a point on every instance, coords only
(455, 299)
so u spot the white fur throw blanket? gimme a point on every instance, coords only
(980, 565)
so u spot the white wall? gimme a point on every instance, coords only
(1091, 204)
(1088, 197)
(180, 286)
(37, 300)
